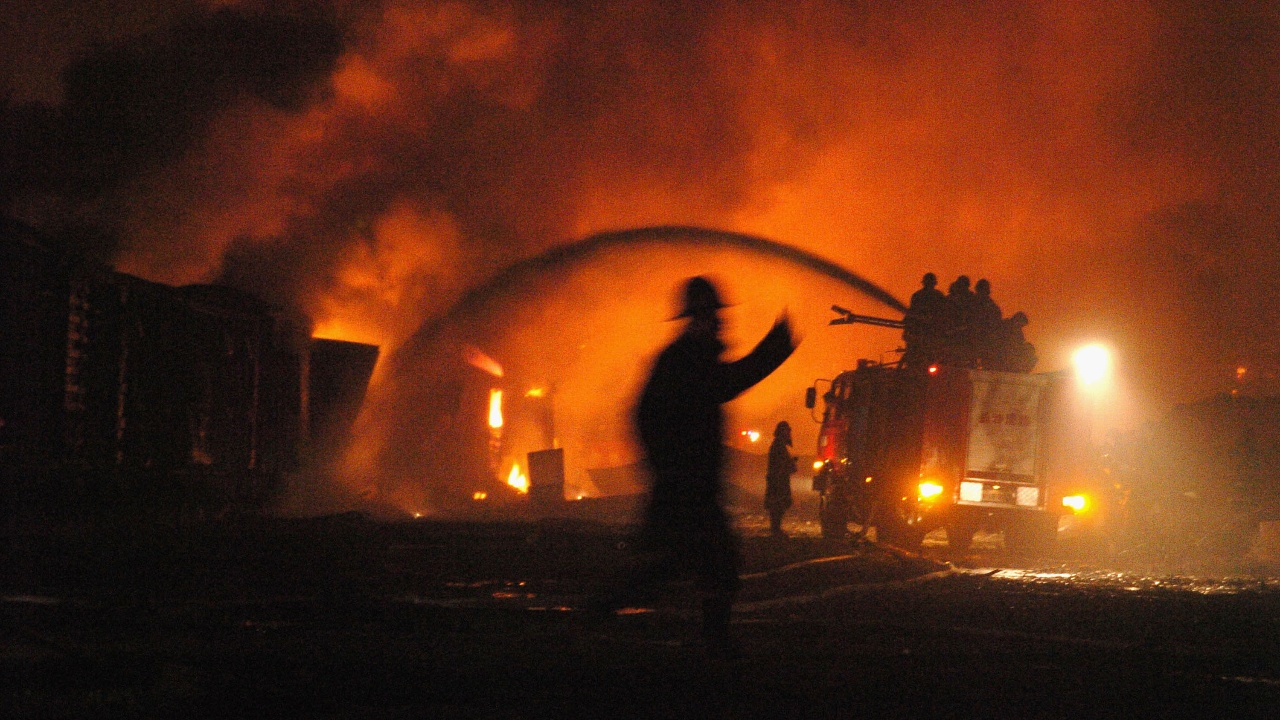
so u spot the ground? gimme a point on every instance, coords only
(346, 617)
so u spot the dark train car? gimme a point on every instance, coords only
(184, 396)
(33, 339)
(124, 392)
(191, 392)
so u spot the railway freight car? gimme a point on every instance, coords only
(33, 340)
(124, 392)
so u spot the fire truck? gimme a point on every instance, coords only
(909, 449)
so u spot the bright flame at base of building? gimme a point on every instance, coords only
(517, 479)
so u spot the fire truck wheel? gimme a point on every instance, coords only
(834, 519)
(896, 530)
(960, 536)
(832, 530)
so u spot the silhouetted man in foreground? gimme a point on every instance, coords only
(681, 428)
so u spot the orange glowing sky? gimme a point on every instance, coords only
(1109, 166)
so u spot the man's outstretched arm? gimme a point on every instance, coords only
(735, 377)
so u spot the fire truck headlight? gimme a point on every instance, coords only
(929, 490)
(971, 491)
(1075, 502)
(817, 465)
(1027, 496)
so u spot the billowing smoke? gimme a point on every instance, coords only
(1111, 167)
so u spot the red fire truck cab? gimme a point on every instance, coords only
(907, 450)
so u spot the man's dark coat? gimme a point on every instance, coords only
(681, 423)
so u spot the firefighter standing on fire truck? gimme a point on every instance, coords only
(924, 324)
(681, 423)
(960, 309)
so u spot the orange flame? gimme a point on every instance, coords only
(517, 479)
(335, 329)
(495, 408)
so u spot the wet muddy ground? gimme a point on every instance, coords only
(344, 617)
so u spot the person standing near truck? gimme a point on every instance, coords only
(777, 480)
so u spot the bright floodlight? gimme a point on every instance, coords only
(1093, 364)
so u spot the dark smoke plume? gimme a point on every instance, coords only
(136, 107)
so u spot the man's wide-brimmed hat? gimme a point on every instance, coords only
(700, 296)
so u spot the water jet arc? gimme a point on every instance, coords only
(584, 249)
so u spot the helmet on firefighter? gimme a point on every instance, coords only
(783, 430)
(700, 297)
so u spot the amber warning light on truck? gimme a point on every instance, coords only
(1076, 502)
(929, 490)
